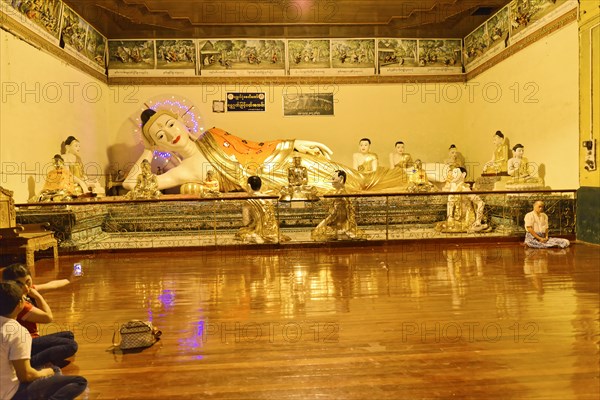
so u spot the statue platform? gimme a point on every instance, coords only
(189, 221)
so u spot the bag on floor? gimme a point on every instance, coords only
(137, 334)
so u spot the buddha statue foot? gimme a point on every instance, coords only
(479, 228)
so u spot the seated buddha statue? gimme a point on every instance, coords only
(454, 159)
(365, 160)
(298, 188)
(72, 158)
(146, 186)
(498, 164)
(523, 173)
(207, 188)
(59, 184)
(398, 158)
(417, 179)
(464, 210)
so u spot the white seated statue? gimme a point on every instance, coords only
(83, 184)
(523, 173)
(365, 160)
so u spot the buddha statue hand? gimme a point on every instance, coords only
(313, 148)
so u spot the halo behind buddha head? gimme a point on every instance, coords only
(175, 106)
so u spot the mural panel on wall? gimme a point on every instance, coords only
(176, 57)
(353, 56)
(310, 57)
(95, 49)
(242, 57)
(440, 56)
(82, 40)
(528, 15)
(57, 23)
(397, 56)
(131, 58)
(41, 16)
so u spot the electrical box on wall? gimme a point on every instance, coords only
(590, 155)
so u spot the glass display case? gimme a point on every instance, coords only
(184, 221)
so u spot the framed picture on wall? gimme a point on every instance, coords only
(219, 106)
(304, 104)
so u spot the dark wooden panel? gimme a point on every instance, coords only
(119, 19)
(588, 221)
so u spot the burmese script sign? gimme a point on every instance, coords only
(245, 102)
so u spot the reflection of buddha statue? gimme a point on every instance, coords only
(400, 159)
(464, 211)
(258, 217)
(454, 159)
(341, 221)
(59, 185)
(298, 179)
(497, 164)
(524, 174)
(365, 161)
(72, 159)
(417, 180)
(146, 186)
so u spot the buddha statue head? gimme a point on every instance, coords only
(399, 146)
(164, 129)
(364, 145)
(72, 146)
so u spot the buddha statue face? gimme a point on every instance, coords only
(400, 148)
(73, 148)
(364, 146)
(452, 152)
(168, 133)
(498, 140)
(519, 152)
(297, 161)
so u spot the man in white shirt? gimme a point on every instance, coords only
(536, 226)
(18, 379)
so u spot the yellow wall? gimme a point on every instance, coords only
(42, 101)
(589, 34)
(533, 99)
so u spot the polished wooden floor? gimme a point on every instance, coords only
(418, 321)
